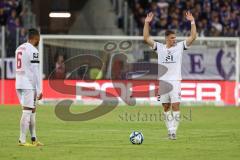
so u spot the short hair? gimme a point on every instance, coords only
(32, 33)
(168, 32)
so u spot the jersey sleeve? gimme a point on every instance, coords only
(35, 64)
(184, 45)
(156, 47)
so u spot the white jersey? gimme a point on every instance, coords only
(171, 58)
(27, 67)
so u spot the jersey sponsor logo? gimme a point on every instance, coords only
(35, 61)
(169, 58)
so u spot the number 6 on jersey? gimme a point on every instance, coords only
(19, 60)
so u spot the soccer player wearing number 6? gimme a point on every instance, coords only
(28, 85)
(170, 56)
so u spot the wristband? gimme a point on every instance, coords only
(192, 22)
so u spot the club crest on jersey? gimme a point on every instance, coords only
(35, 55)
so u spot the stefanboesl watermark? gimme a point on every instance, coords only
(158, 116)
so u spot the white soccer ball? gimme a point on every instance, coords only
(136, 137)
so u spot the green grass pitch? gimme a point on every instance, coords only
(204, 133)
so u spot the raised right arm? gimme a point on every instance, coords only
(146, 29)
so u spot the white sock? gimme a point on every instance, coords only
(32, 126)
(24, 125)
(176, 120)
(168, 118)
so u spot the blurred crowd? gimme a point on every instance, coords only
(13, 16)
(213, 17)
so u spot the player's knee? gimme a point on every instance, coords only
(175, 106)
(166, 106)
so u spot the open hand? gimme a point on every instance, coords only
(149, 17)
(189, 16)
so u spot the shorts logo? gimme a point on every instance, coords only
(179, 94)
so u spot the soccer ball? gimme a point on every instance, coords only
(136, 137)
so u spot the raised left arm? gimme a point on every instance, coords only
(193, 34)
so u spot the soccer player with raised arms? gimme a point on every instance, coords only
(28, 86)
(170, 56)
